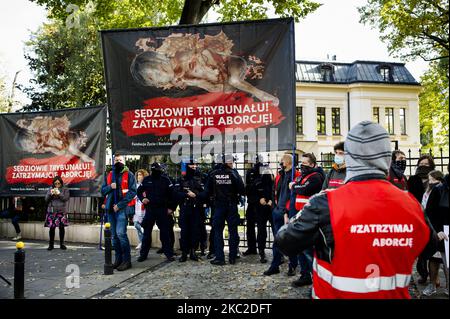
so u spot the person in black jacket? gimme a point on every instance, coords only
(258, 187)
(156, 193)
(306, 185)
(186, 190)
(437, 210)
(225, 185)
(417, 184)
(336, 176)
(397, 170)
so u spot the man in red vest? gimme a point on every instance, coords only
(366, 234)
(119, 187)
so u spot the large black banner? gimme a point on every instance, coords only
(37, 146)
(204, 80)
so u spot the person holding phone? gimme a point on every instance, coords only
(56, 198)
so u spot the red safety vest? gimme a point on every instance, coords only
(277, 180)
(378, 232)
(124, 186)
(302, 200)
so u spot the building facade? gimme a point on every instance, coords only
(332, 97)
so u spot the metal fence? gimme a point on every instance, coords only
(86, 210)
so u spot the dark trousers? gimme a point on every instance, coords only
(189, 223)
(422, 267)
(161, 218)
(212, 232)
(257, 214)
(277, 223)
(226, 212)
(51, 233)
(171, 224)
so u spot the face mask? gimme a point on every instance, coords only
(339, 159)
(118, 167)
(422, 171)
(190, 171)
(431, 185)
(156, 173)
(305, 169)
(400, 165)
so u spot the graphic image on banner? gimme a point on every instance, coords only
(199, 78)
(37, 146)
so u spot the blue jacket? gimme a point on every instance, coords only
(122, 202)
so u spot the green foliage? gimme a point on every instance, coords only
(411, 28)
(434, 107)
(4, 100)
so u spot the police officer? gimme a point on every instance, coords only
(215, 166)
(258, 187)
(225, 185)
(156, 192)
(186, 190)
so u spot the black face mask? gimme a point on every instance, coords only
(156, 172)
(305, 169)
(432, 185)
(400, 165)
(422, 171)
(118, 167)
(190, 171)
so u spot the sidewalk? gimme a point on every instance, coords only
(46, 276)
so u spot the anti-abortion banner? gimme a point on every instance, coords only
(35, 147)
(203, 80)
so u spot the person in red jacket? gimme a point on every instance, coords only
(366, 234)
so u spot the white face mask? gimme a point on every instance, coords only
(339, 159)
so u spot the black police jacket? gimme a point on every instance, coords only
(313, 228)
(158, 190)
(193, 183)
(224, 185)
(258, 185)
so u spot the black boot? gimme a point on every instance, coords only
(262, 257)
(193, 256)
(52, 238)
(183, 257)
(62, 232)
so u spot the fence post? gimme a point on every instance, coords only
(19, 271)
(108, 267)
(410, 160)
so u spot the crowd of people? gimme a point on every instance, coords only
(310, 212)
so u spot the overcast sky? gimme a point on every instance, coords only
(333, 29)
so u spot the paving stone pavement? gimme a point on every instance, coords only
(201, 280)
(46, 276)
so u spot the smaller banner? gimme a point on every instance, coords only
(35, 147)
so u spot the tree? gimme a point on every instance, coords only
(411, 28)
(433, 102)
(4, 100)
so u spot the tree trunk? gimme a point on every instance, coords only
(195, 10)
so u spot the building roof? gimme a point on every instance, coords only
(355, 72)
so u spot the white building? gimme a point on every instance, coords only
(332, 97)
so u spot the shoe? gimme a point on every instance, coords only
(50, 247)
(422, 280)
(183, 258)
(202, 252)
(193, 257)
(232, 261)
(429, 290)
(271, 271)
(138, 246)
(171, 258)
(18, 237)
(446, 291)
(291, 271)
(160, 251)
(249, 252)
(63, 247)
(210, 255)
(262, 258)
(116, 264)
(141, 259)
(302, 281)
(217, 262)
(124, 266)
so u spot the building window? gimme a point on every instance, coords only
(326, 71)
(390, 120)
(385, 72)
(336, 120)
(376, 115)
(321, 123)
(403, 121)
(299, 120)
